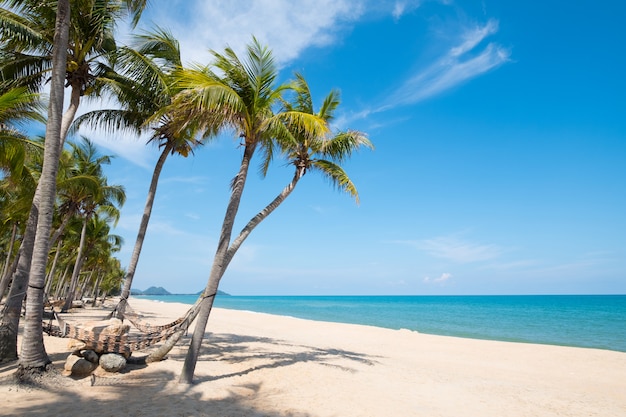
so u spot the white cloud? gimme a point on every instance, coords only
(473, 37)
(287, 27)
(400, 8)
(462, 62)
(445, 277)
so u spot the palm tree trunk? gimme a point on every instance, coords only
(217, 270)
(33, 354)
(50, 277)
(160, 353)
(13, 305)
(57, 233)
(77, 265)
(86, 283)
(96, 288)
(70, 113)
(262, 215)
(61, 283)
(143, 227)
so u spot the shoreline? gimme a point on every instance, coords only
(546, 319)
(257, 364)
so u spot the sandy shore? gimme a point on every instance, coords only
(262, 365)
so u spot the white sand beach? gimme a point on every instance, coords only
(264, 365)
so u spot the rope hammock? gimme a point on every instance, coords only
(98, 339)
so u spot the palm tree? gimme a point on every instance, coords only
(32, 29)
(307, 150)
(33, 354)
(27, 31)
(97, 197)
(241, 97)
(17, 107)
(143, 88)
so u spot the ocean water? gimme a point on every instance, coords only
(593, 321)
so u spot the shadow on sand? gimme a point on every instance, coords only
(146, 392)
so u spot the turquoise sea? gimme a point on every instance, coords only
(594, 321)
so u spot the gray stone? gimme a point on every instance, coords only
(77, 366)
(112, 362)
(90, 355)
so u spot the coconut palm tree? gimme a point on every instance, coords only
(27, 31)
(144, 87)
(23, 33)
(96, 197)
(17, 107)
(307, 150)
(33, 354)
(240, 96)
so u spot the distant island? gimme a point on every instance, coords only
(163, 291)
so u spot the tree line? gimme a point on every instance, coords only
(57, 207)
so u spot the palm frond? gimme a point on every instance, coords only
(343, 144)
(337, 177)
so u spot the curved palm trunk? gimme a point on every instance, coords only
(143, 227)
(33, 354)
(162, 351)
(70, 113)
(77, 265)
(50, 276)
(217, 270)
(57, 233)
(262, 215)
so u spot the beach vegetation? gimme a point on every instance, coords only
(66, 247)
(49, 41)
(142, 84)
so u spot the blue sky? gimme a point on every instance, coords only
(500, 160)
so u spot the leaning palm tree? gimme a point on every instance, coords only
(303, 138)
(144, 87)
(19, 184)
(244, 97)
(240, 96)
(307, 150)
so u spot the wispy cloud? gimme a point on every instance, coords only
(462, 62)
(455, 249)
(402, 7)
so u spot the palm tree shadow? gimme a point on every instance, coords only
(262, 353)
(152, 393)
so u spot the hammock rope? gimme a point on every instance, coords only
(95, 338)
